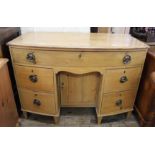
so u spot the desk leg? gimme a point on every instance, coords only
(99, 120)
(56, 119)
(128, 115)
(25, 114)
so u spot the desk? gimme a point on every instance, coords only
(77, 70)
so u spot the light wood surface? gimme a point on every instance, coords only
(129, 114)
(87, 41)
(113, 79)
(79, 90)
(109, 102)
(44, 78)
(78, 70)
(72, 59)
(27, 98)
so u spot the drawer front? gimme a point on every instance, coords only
(114, 103)
(33, 78)
(42, 103)
(52, 58)
(122, 79)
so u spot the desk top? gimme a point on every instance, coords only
(71, 40)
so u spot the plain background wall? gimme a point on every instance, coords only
(55, 29)
(70, 29)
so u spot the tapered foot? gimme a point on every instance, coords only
(56, 119)
(99, 120)
(128, 115)
(25, 114)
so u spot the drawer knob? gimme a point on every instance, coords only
(123, 79)
(119, 102)
(33, 78)
(126, 59)
(31, 58)
(36, 102)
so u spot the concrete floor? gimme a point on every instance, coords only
(78, 117)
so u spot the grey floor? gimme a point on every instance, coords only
(78, 117)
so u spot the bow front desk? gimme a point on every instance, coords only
(55, 70)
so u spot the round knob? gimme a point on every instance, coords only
(123, 79)
(119, 102)
(31, 57)
(36, 102)
(126, 59)
(33, 78)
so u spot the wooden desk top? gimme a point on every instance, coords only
(89, 41)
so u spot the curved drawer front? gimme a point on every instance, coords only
(114, 103)
(122, 79)
(60, 58)
(33, 78)
(42, 103)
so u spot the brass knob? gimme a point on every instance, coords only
(31, 58)
(119, 102)
(37, 102)
(33, 78)
(126, 59)
(123, 79)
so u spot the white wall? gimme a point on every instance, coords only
(55, 29)
(70, 29)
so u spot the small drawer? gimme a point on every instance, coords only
(33, 78)
(42, 103)
(77, 59)
(122, 79)
(114, 103)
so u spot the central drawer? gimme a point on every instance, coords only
(114, 103)
(42, 103)
(34, 78)
(73, 59)
(122, 79)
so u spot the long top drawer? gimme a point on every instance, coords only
(77, 59)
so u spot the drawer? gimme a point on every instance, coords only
(122, 79)
(33, 78)
(73, 59)
(114, 103)
(42, 103)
